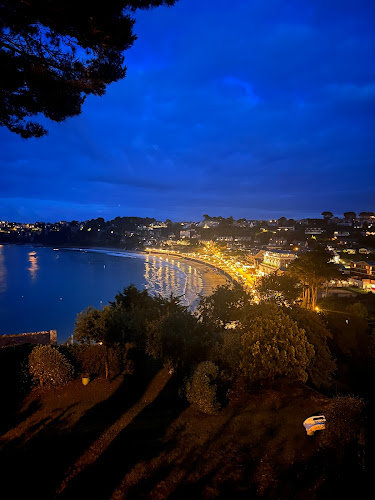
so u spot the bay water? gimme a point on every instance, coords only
(44, 288)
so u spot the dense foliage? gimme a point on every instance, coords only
(49, 366)
(225, 306)
(281, 289)
(313, 269)
(321, 367)
(57, 53)
(263, 341)
(201, 389)
(275, 346)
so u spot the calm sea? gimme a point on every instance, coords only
(45, 288)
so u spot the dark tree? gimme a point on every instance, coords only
(280, 289)
(273, 345)
(321, 367)
(225, 305)
(327, 215)
(179, 339)
(350, 215)
(53, 54)
(95, 326)
(366, 214)
(313, 269)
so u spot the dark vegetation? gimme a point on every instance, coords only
(118, 232)
(208, 405)
(58, 53)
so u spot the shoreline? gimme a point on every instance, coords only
(195, 280)
(211, 276)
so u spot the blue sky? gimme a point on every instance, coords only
(248, 108)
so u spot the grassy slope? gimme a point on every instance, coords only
(135, 438)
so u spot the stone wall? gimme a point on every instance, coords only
(42, 338)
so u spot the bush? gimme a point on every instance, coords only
(344, 421)
(201, 390)
(49, 366)
(90, 359)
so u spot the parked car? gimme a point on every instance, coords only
(314, 423)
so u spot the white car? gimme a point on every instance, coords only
(315, 423)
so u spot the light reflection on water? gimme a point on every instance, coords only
(42, 289)
(167, 277)
(33, 260)
(3, 272)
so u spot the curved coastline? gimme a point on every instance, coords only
(184, 258)
(67, 295)
(211, 276)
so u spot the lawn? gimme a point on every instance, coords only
(137, 438)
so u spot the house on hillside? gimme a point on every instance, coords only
(363, 269)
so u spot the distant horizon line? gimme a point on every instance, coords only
(269, 219)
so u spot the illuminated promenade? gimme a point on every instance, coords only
(230, 267)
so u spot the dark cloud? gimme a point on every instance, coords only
(250, 109)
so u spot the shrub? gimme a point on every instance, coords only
(49, 366)
(345, 420)
(201, 390)
(90, 359)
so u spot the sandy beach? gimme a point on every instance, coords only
(211, 277)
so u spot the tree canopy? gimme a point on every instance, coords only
(327, 215)
(273, 346)
(224, 306)
(54, 54)
(322, 367)
(282, 289)
(313, 269)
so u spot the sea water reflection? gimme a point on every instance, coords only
(168, 276)
(45, 288)
(33, 260)
(3, 271)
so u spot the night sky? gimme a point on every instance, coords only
(244, 108)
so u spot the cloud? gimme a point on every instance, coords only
(260, 107)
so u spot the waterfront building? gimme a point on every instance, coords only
(363, 269)
(276, 261)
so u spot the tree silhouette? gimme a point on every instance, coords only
(313, 269)
(280, 289)
(54, 54)
(327, 215)
(94, 326)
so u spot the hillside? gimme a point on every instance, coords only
(136, 438)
